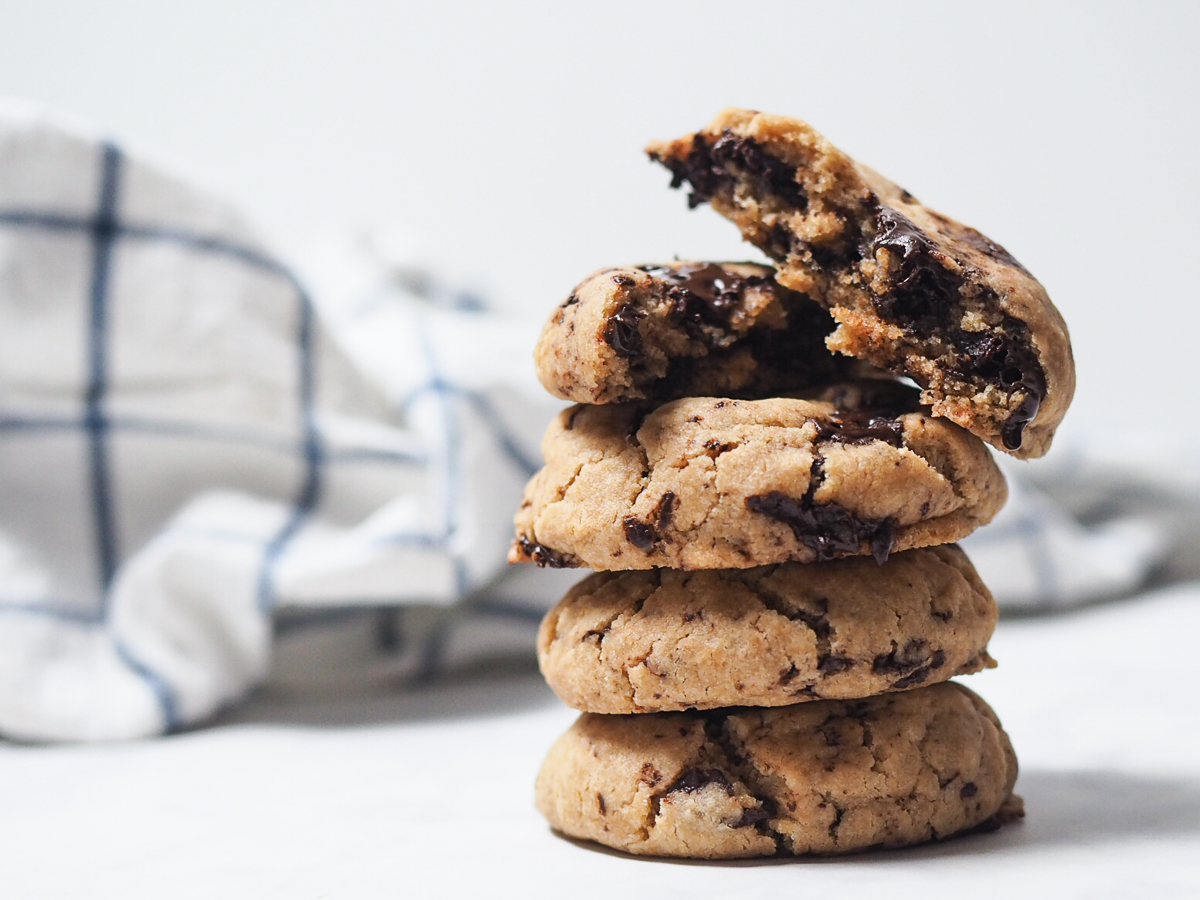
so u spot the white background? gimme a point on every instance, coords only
(508, 136)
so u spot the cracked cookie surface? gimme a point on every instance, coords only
(659, 640)
(681, 329)
(708, 483)
(913, 291)
(816, 778)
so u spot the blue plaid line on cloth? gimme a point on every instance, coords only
(106, 231)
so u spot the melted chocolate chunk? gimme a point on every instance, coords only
(621, 332)
(705, 295)
(693, 779)
(777, 243)
(1008, 360)
(828, 529)
(861, 428)
(719, 288)
(924, 295)
(777, 176)
(707, 167)
(639, 533)
(922, 289)
(698, 169)
(1013, 430)
(702, 301)
(543, 556)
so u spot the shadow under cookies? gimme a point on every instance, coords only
(1062, 809)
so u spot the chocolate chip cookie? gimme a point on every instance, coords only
(913, 291)
(709, 483)
(660, 640)
(681, 329)
(816, 778)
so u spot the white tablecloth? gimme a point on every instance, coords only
(428, 793)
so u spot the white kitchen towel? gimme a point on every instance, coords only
(202, 463)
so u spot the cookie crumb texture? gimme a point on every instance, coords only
(661, 640)
(705, 483)
(818, 778)
(679, 329)
(913, 291)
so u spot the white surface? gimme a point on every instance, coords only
(428, 794)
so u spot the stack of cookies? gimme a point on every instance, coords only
(768, 467)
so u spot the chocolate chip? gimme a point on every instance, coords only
(640, 534)
(777, 242)
(543, 556)
(708, 291)
(715, 448)
(970, 789)
(1013, 430)
(922, 289)
(600, 803)
(883, 539)
(900, 659)
(828, 529)
(753, 816)
(664, 510)
(786, 675)
(776, 176)
(834, 257)
(861, 427)
(624, 280)
(925, 298)
(831, 665)
(707, 168)
(817, 623)
(919, 676)
(621, 332)
(693, 779)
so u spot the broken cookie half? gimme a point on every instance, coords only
(911, 290)
(668, 330)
